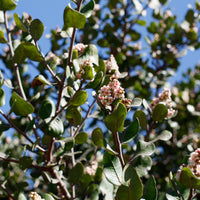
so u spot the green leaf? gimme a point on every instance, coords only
(47, 109)
(74, 19)
(3, 126)
(159, 113)
(21, 196)
(96, 82)
(2, 97)
(19, 106)
(132, 188)
(19, 23)
(69, 143)
(39, 80)
(81, 138)
(150, 190)
(36, 29)
(26, 50)
(188, 179)
(97, 137)
(112, 168)
(164, 136)
(142, 164)
(76, 173)
(7, 5)
(79, 98)
(47, 197)
(190, 16)
(170, 197)
(88, 8)
(25, 162)
(140, 115)
(54, 127)
(88, 73)
(2, 38)
(141, 22)
(115, 121)
(130, 132)
(73, 115)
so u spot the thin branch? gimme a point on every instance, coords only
(20, 131)
(87, 114)
(49, 152)
(8, 193)
(79, 3)
(118, 147)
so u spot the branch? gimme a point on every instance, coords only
(8, 193)
(79, 3)
(49, 152)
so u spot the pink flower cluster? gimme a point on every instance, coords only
(81, 72)
(111, 65)
(164, 98)
(108, 93)
(80, 47)
(194, 162)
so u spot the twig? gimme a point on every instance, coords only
(149, 131)
(79, 3)
(118, 147)
(82, 123)
(8, 193)
(49, 152)
(20, 131)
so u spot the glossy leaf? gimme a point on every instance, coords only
(2, 97)
(150, 190)
(73, 115)
(47, 109)
(140, 115)
(159, 113)
(19, 23)
(88, 8)
(188, 180)
(97, 137)
(81, 138)
(36, 29)
(2, 38)
(7, 5)
(19, 106)
(79, 98)
(131, 132)
(54, 127)
(115, 121)
(132, 188)
(26, 50)
(74, 19)
(47, 197)
(76, 172)
(112, 168)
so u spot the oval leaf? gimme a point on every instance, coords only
(81, 138)
(47, 197)
(88, 8)
(47, 109)
(36, 29)
(97, 137)
(76, 173)
(112, 168)
(40, 80)
(2, 38)
(140, 115)
(21, 196)
(73, 115)
(79, 98)
(159, 113)
(7, 5)
(19, 23)
(19, 106)
(115, 121)
(74, 19)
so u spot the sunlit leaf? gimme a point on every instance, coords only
(19, 23)
(81, 138)
(97, 137)
(2, 97)
(79, 98)
(7, 5)
(2, 38)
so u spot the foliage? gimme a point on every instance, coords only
(97, 121)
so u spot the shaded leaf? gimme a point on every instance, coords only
(19, 106)
(97, 137)
(96, 82)
(88, 8)
(81, 138)
(47, 197)
(36, 29)
(73, 115)
(115, 121)
(140, 115)
(25, 162)
(136, 102)
(150, 190)
(142, 164)
(47, 109)
(112, 168)
(159, 113)
(76, 172)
